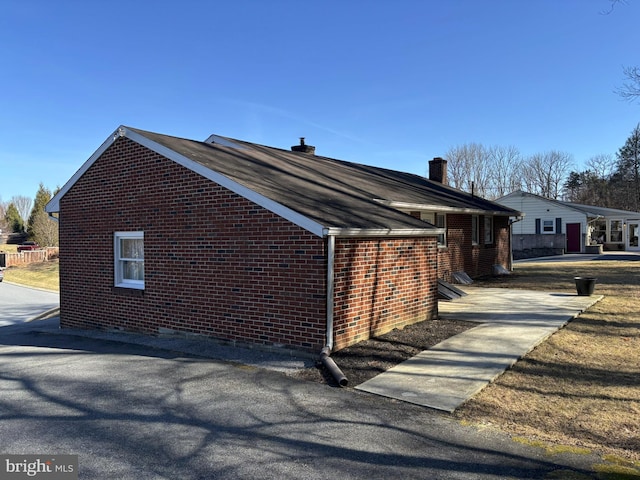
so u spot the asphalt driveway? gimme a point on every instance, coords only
(18, 304)
(140, 412)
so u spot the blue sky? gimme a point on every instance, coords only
(386, 83)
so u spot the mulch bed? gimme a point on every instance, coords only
(371, 357)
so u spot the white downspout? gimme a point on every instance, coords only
(331, 249)
(325, 359)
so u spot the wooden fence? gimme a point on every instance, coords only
(31, 256)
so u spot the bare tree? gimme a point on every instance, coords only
(458, 166)
(506, 171)
(482, 170)
(612, 6)
(23, 204)
(497, 171)
(630, 89)
(602, 165)
(469, 168)
(544, 173)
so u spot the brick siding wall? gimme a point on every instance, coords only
(221, 266)
(476, 260)
(381, 284)
(215, 263)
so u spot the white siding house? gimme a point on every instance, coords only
(576, 226)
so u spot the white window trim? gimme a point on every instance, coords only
(117, 261)
(610, 230)
(475, 232)
(488, 240)
(553, 226)
(432, 218)
(443, 236)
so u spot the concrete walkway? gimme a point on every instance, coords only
(512, 322)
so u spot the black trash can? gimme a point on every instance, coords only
(585, 285)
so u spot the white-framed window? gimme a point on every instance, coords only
(599, 231)
(128, 248)
(548, 226)
(440, 221)
(488, 230)
(475, 230)
(615, 231)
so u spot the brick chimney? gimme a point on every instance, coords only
(302, 148)
(438, 170)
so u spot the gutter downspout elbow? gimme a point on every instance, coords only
(325, 359)
(332, 368)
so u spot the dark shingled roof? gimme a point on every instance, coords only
(334, 193)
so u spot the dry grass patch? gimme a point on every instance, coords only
(8, 248)
(40, 275)
(582, 386)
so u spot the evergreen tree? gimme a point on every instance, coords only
(13, 218)
(587, 188)
(45, 230)
(43, 196)
(4, 226)
(628, 170)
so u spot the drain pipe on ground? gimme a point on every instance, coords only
(325, 359)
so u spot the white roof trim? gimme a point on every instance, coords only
(280, 210)
(568, 205)
(441, 208)
(610, 213)
(384, 232)
(275, 207)
(216, 139)
(54, 204)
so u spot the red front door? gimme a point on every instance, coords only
(573, 237)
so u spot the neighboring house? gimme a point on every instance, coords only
(253, 244)
(570, 227)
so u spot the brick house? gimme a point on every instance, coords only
(257, 245)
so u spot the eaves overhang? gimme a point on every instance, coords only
(447, 209)
(383, 232)
(318, 228)
(54, 204)
(298, 219)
